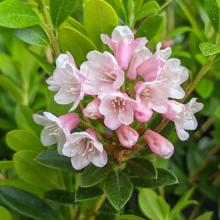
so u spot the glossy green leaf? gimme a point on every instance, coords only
(164, 178)
(118, 189)
(83, 194)
(128, 217)
(76, 43)
(19, 140)
(61, 196)
(32, 35)
(26, 203)
(15, 14)
(93, 175)
(5, 214)
(54, 160)
(205, 88)
(99, 18)
(148, 8)
(209, 49)
(152, 205)
(150, 27)
(33, 173)
(205, 216)
(60, 10)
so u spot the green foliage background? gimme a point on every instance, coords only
(37, 183)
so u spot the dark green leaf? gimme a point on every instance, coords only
(5, 214)
(93, 175)
(83, 194)
(15, 14)
(32, 35)
(26, 203)
(60, 10)
(209, 49)
(55, 161)
(118, 189)
(61, 196)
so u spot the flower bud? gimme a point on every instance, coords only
(92, 110)
(127, 136)
(158, 144)
(143, 114)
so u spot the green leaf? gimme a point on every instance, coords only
(150, 27)
(152, 205)
(148, 8)
(33, 173)
(99, 18)
(54, 160)
(60, 10)
(15, 14)
(205, 216)
(6, 164)
(5, 214)
(141, 168)
(118, 189)
(32, 35)
(19, 140)
(164, 178)
(76, 43)
(26, 203)
(9, 86)
(213, 12)
(217, 112)
(61, 196)
(205, 88)
(209, 49)
(128, 217)
(93, 175)
(83, 194)
(218, 3)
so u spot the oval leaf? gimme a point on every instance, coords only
(208, 48)
(83, 194)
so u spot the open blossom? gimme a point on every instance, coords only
(123, 44)
(127, 136)
(183, 116)
(56, 129)
(117, 108)
(84, 148)
(67, 81)
(158, 144)
(152, 95)
(92, 109)
(101, 71)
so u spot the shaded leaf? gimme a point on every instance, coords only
(83, 194)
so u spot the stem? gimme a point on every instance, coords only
(165, 4)
(204, 128)
(95, 208)
(49, 29)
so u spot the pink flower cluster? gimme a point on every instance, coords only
(126, 87)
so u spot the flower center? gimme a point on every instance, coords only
(145, 94)
(118, 104)
(54, 129)
(108, 77)
(89, 148)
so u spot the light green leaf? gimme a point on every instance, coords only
(205, 216)
(217, 112)
(205, 88)
(19, 140)
(83, 194)
(60, 10)
(76, 43)
(209, 49)
(118, 189)
(93, 175)
(15, 14)
(33, 173)
(54, 160)
(5, 214)
(6, 164)
(152, 205)
(32, 35)
(218, 3)
(26, 203)
(128, 217)
(99, 18)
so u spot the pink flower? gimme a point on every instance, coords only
(143, 114)
(152, 96)
(183, 116)
(158, 144)
(117, 108)
(127, 136)
(67, 81)
(123, 44)
(101, 71)
(92, 109)
(84, 148)
(56, 129)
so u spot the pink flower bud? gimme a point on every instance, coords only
(143, 114)
(158, 144)
(92, 110)
(127, 136)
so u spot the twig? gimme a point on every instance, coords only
(204, 128)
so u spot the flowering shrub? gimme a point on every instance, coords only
(98, 114)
